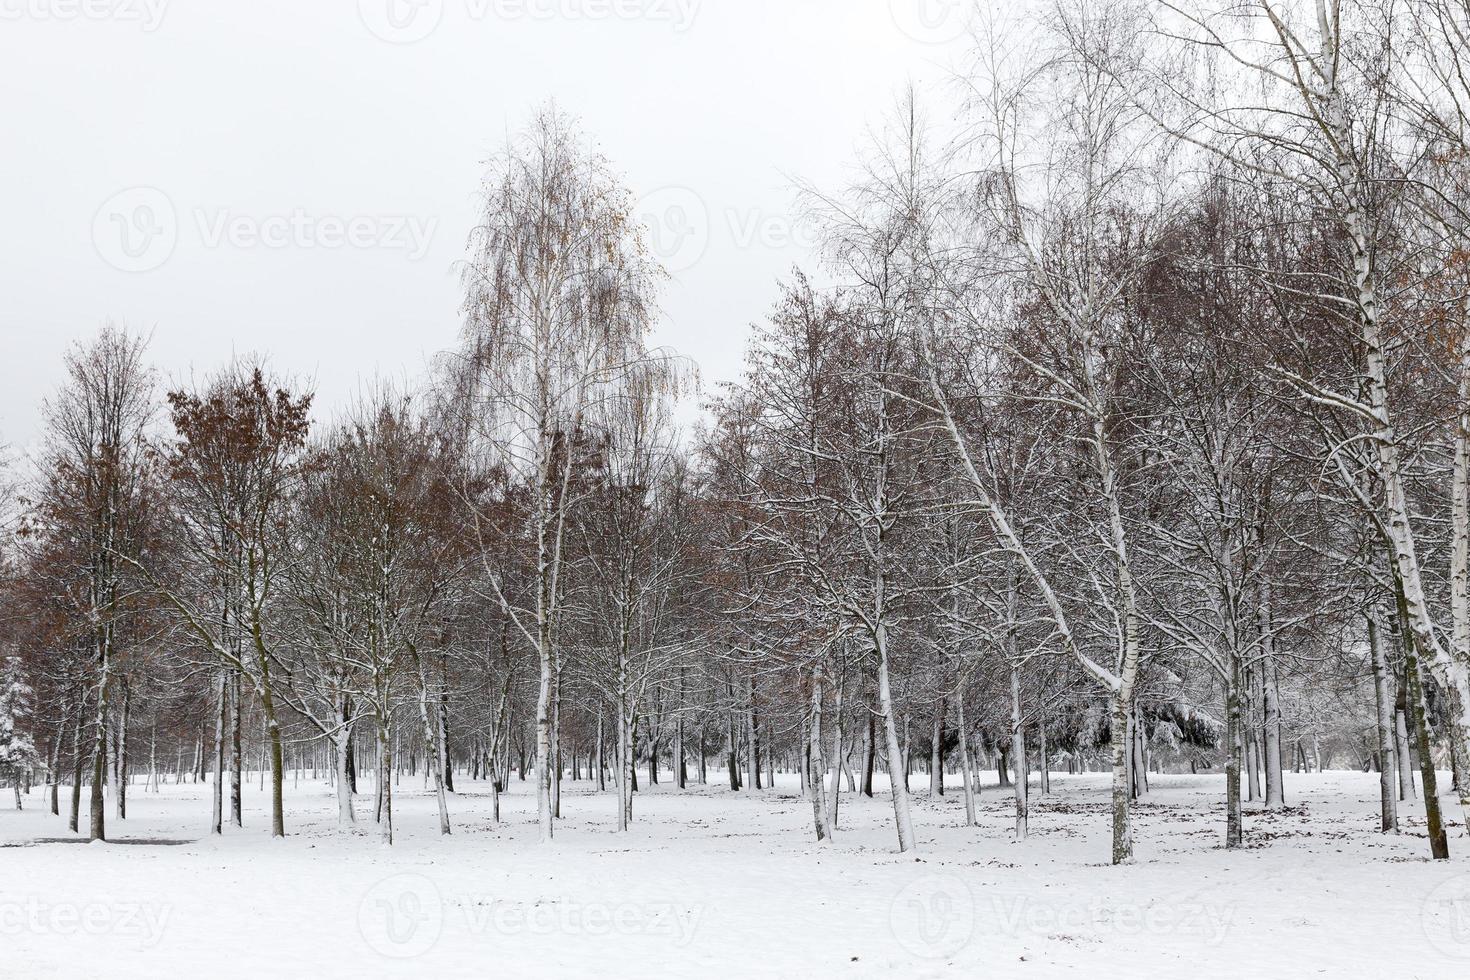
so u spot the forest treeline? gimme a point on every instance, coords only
(1123, 425)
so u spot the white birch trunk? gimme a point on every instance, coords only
(834, 793)
(1387, 756)
(965, 761)
(816, 777)
(901, 816)
(1018, 757)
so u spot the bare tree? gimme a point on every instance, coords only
(95, 496)
(558, 303)
(234, 466)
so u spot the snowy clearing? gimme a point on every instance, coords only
(710, 882)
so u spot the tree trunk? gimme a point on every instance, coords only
(624, 779)
(97, 829)
(732, 741)
(342, 750)
(1018, 756)
(77, 762)
(273, 734)
(623, 750)
(1252, 756)
(633, 750)
(555, 742)
(1439, 845)
(1234, 738)
(1138, 761)
(753, 740)
(1452, 668)
(1272, 705)
(816, 773)
(53, 769)
(546, 828)
(936, 752)
(433, 750)
(385, 781)
(870, 757)
(122, 750)
(601, 741)
(908, 753)
(681, 768)
(236, 753)
(896, 760)
(1387, 756)
(835, 793)
(1401, 720)
(1043, 765)
(217, 817)
(965, 764)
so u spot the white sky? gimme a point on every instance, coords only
(259, 129)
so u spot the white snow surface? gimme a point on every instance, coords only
(720, 884)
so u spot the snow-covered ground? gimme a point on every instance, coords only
(710, 883)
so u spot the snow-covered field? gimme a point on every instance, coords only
(710, 883)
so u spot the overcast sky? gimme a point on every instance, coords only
(298, 178)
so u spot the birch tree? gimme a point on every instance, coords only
(1331, 133)
(558, 300)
